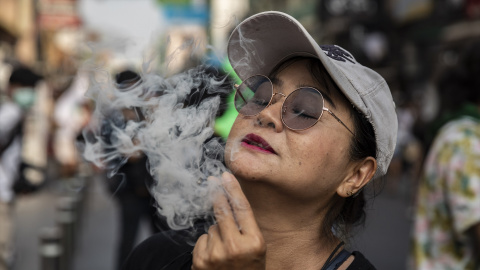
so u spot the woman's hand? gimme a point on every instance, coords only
(235, 242)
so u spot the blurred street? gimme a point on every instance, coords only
(97, 239)
(384, 240)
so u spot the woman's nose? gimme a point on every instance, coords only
(271, 117)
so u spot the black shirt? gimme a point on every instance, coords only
(172, 250)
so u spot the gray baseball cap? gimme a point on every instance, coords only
(263, 40)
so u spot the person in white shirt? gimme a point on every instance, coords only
(19, 96)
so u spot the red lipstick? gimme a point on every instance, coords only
(256, 142)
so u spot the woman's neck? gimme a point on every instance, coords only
(293, 231)
(297, 250)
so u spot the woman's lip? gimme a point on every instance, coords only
(256, 142)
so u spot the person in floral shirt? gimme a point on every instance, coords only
(446, 233)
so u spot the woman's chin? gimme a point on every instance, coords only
(244, 169)
(249, 165)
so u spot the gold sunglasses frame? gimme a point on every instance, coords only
(237, 86)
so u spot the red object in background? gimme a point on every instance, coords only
(55, 14)
(472, 8)
(58, 21)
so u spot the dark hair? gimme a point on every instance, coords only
(24, 76)
(344, 213)
(364, 145)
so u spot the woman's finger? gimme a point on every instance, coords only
(215, 247)
(213, 236)
(240, 206)
(199, 252)
(224, 215)
(208, 249)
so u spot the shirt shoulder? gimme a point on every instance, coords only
(465, 128)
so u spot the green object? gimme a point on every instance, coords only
(468, 109)
(24, 97)
(229, 69)
(224, 123)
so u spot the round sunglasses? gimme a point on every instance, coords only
(301, 109)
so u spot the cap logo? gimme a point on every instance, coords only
(337, 53)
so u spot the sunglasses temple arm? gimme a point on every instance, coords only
(240, 94)
(340, 121)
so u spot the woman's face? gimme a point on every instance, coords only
(303, 164)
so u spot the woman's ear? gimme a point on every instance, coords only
(361, 174)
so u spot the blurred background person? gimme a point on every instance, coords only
(446, 233)
(129, 186)
(20, 96)
(70, 115)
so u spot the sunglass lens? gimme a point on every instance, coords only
(302, 108)
(253, 95)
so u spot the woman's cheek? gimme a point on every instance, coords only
(232, 146)
(232, 154)
(233, 159)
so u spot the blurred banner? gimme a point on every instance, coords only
(55, 14)
(186, 11)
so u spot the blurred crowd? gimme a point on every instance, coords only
(37, 142)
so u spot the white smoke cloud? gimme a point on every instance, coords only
(171, 127)
(170, 119)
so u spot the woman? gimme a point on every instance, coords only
(300, 155)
